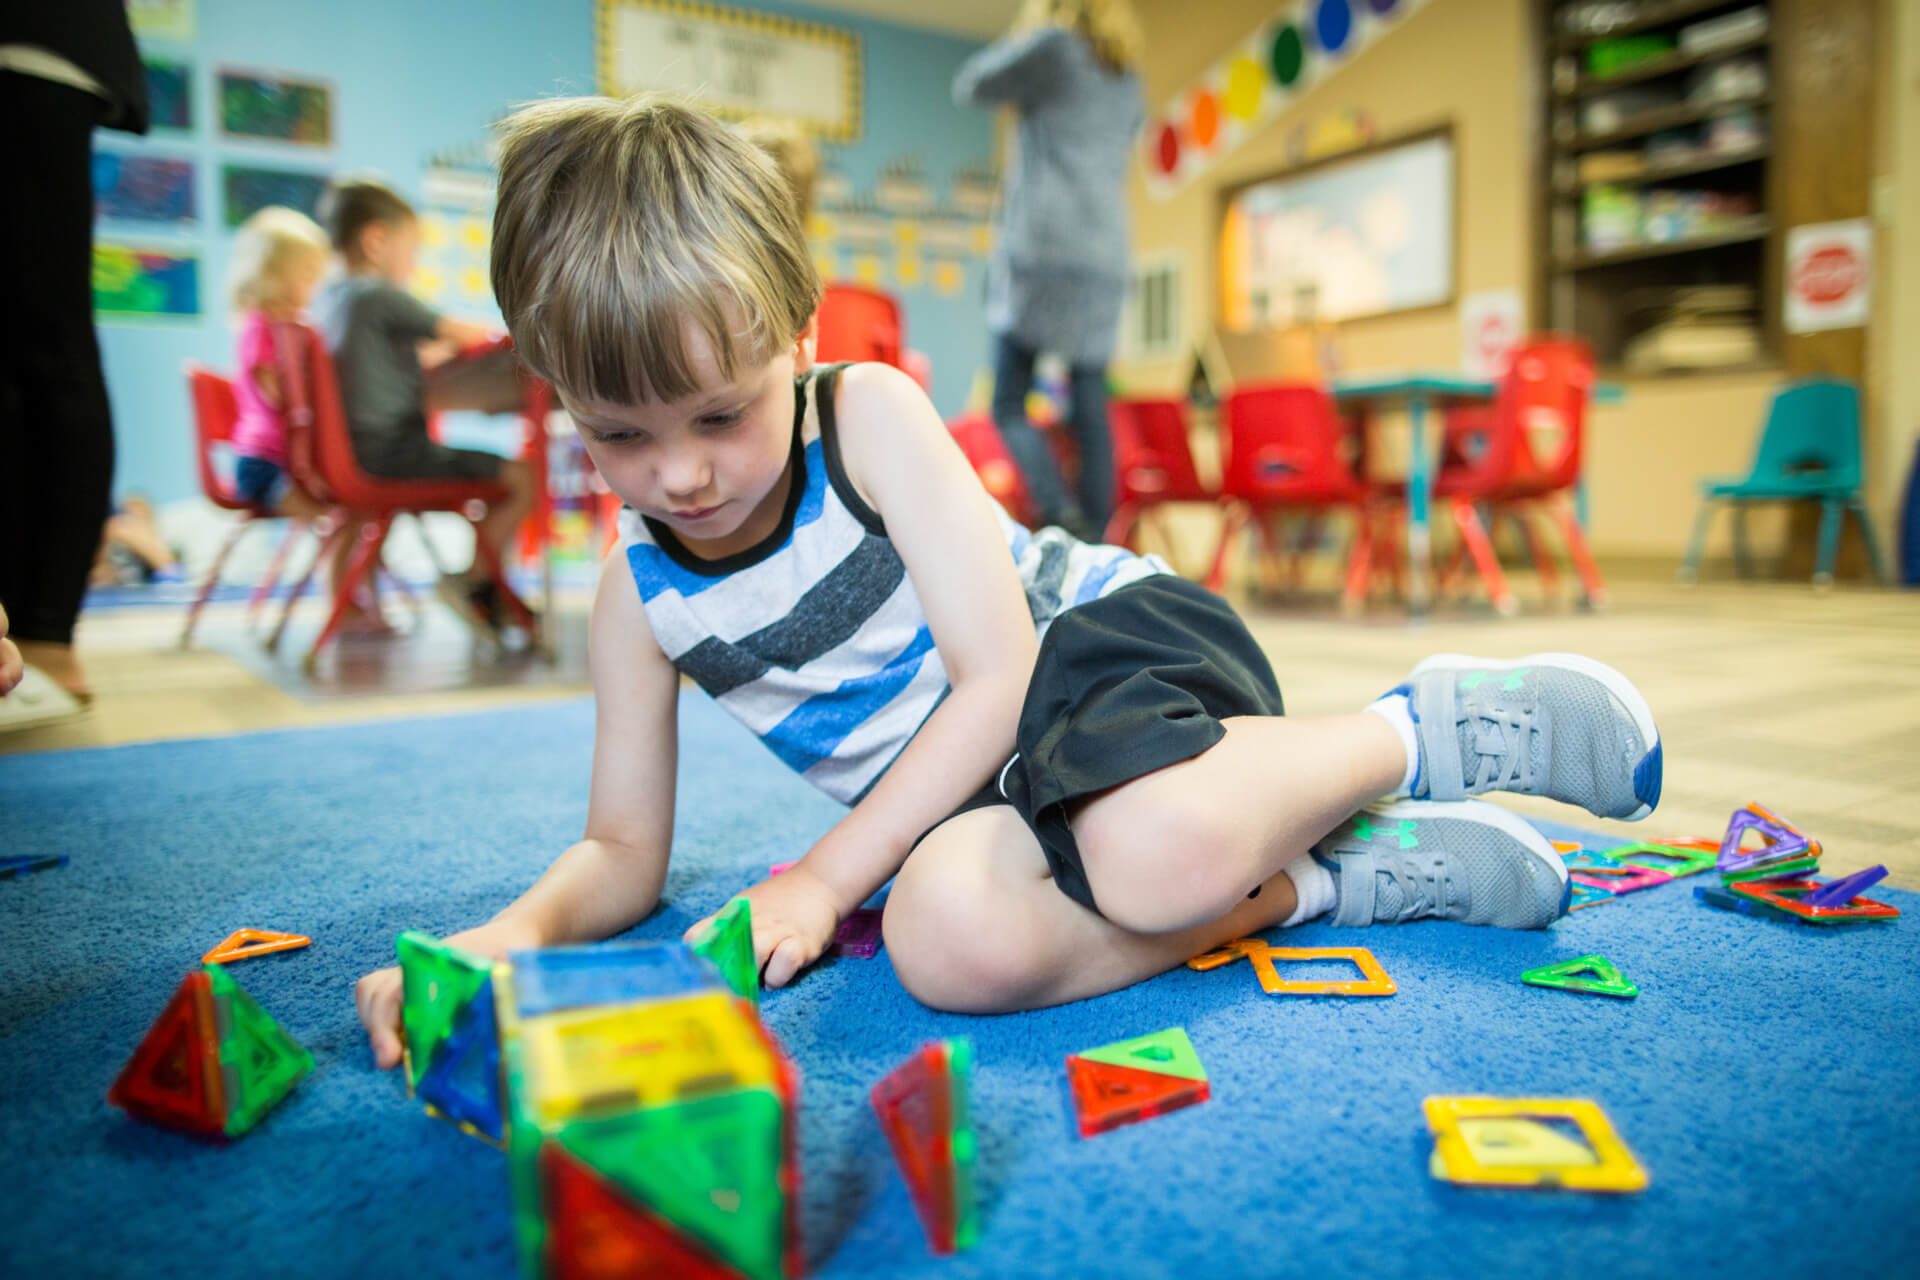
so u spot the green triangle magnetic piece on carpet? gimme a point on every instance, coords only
(710, 1167)
(728, 942)
(1595, 975)
(1168, 1053)
(437, 981)
(260, 1061)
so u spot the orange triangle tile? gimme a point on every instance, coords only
(243, 944)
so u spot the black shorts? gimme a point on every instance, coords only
(408, 452)
(1124, 685)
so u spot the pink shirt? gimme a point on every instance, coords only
(261, 429)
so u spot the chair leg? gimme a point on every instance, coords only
(1269, 551)
(213, 578)
(1539, 552)
(1163, 534)
(329, 537)
(1120, 528)
(1742, 556)
(1230, 525)
(264, 588)
(372, 536)
(1871, 539)
(1359, 561)
(1593, 587)
(1484, 559)
(1697, 543)
(1832, 513)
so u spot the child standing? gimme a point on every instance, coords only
(279, 256)
(1072, 765)
(376, 329)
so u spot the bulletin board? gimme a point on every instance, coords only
(1370, 232)
(734, 62)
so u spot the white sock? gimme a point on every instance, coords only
(1312, 890)
(1398, 712)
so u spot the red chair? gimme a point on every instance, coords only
(979, 439)
(1286, 450)
(1521, 458)
(215, 411)
(1153, 464)
(857, 323)
(370, 502)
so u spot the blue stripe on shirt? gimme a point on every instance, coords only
(655, 572)
(1097, 578)
(812, 731)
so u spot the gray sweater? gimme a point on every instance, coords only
(1059, 265)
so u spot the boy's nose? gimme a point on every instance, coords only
(685, 477)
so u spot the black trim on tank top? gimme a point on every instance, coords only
(823, 396)
(669, 542)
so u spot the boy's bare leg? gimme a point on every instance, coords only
(975, 923)
(504, 517)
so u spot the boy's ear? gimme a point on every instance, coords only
(804, 345)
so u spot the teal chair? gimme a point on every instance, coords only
(1809, 452)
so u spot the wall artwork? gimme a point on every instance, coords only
(247, 189)
(130, 187)
(137, 283)
(172, 20)
(275, 108)
(169, 93)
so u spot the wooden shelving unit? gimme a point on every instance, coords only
(1696, 211)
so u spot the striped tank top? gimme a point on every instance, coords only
(815, 639)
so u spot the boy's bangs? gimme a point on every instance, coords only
(620, 329)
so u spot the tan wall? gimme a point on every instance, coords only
(1466, 62)
(1893, 347)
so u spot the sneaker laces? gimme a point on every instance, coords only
(1421, 890)
(1502, 741)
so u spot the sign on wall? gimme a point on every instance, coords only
(1829, 267)
(737, 64)
(1491, 322)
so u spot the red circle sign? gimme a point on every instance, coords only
(1827, 275)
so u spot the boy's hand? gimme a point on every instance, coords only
(12, 666)
(794, 918)
(379, 996)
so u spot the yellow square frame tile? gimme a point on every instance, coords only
(1613, 1168)
(586, 1061)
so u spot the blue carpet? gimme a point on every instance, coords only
(1764, 1075)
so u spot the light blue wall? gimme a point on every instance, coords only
(410, 80)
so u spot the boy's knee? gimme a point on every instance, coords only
(1158, 861)
(948, 949)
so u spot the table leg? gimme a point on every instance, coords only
(1419, 514)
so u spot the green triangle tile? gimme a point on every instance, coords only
(1595, 975)
(728, 942)
(437, 981)
(1168, 1052)
(966, 1214)
(259, 1061)
(710, 1167)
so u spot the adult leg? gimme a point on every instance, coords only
(56, 429)
(974, 922)
(1087, 419)
(1012, 380)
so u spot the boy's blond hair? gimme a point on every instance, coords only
(266, 249)
(793, 152)
(620, 222)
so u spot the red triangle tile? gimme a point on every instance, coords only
(173, 1078)
(914, 1103)
(595, 1233)
(1107, 1096)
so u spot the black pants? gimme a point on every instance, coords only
(56, 429)
(1086, 420)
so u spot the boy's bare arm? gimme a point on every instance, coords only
(903, 460)
(612, 877)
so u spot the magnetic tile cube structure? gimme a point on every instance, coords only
(650, 1118)
(1510, 1142)
(1133, 1080)
(212, 1064)
(925, 1111)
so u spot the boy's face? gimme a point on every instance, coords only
(708, 466)
(391, 249)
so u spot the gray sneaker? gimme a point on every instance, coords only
(1462, 860)
(1554, 724)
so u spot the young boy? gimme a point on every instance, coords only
(375, 329)
(1061, 815)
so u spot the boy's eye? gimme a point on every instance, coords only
(721, 421)
(616, 437)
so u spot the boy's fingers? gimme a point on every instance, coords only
(787, 959)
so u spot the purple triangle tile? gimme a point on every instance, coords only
(1838, 893)
(859, 935)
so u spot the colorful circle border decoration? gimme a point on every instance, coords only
(1287, 56)
(1332, 24)
(1166, 148)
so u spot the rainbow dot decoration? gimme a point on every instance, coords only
(1303, 43)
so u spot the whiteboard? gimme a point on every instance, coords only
(737, 64)
(1360, 236)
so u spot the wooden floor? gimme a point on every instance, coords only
(1809, 704)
